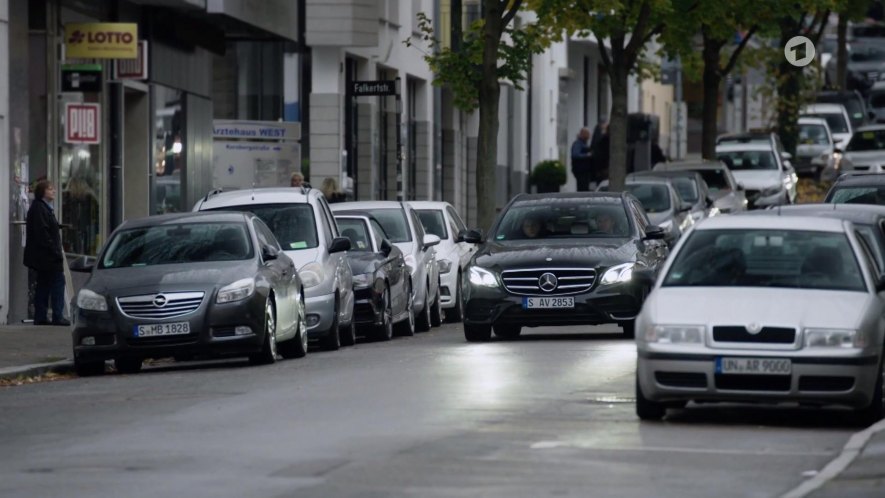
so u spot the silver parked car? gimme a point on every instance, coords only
(865, 151)
(727, 195)
(768, 178)
(764, 309)
(661, 202)
(403, 227)
(301, 220)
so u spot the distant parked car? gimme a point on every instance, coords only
(837, 119)
(188, 284)
(381, 283)
(865, 152)
(690, 186)
(452, 254)
(858, 188)
(663, 205)
(852, 100)
(302, 222)
(728, 196)
(767, 178)
(815, 151)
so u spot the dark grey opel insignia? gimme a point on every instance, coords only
(188, 284)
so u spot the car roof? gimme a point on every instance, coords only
(745, 136)
(268, 195)
(754, 146)
(823, 108)
(772, 222)
(570, 196)
(871, 127)
(861, 179)
(649, 179)
(439, 205)
(188, 217)
(690, 166)
(673, 173)
(855, 213)
(358, 205)
(812, 120)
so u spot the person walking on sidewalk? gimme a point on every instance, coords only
(581, 160)
(43, 254)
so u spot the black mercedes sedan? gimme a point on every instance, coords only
(382, 293)
(205, 284)
(562, 259)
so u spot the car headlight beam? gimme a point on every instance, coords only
(92, 301)
(618, 274)
(482, 277)
(237, 291)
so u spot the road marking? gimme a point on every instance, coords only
(547, 445)
(851, 450)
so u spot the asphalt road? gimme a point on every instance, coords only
(429, 416)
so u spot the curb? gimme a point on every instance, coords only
(850, 452)
(59, 367)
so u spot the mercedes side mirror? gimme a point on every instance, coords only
(472, 236)
(339, 244)
(269, 253)
(82, 264)
(654, 232)
(386, 247)
(430, 240)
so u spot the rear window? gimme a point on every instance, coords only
(294, 225)
(178, 244)
(358, 233)
(434, 222)
(748, 160)
(858, 195)
(716, 179)
(686, 188)
(654, 197)
(836, 121)
(393, 220)
(867, 140)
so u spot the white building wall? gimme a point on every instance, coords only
(4, 158)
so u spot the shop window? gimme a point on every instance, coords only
(80, 178)
(169, 147)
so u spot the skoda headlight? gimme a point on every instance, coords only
(445, 266)
(482, 277)
(311, 275)
(361, 281)
(88, 300)
(834, 338)
(618, 274)
(237, 291)
(675, 334)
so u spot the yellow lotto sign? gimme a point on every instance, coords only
(103, 40)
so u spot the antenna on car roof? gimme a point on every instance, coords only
(212, 192)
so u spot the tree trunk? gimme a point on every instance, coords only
(842, 54)
(617, 128)
(712, 82)
(489, 96)
(789, 102)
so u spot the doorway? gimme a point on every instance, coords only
(136, 153)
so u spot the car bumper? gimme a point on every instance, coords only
(367, 307)
(212, 333)
(608, 304)
(814, 380)
(448, 283)
(320, 315)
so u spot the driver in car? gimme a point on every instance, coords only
(605, 223)
(531, 227)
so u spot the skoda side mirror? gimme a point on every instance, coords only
(339, 244)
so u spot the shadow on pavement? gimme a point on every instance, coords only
(731, 414)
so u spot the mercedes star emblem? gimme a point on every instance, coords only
(548, 282)
(160, 301)
(754, 328)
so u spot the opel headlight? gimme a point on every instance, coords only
(675, 334)
(482, 277)
(311, 275)
(445, 266)
(834, 338)
(237, 291)
(361, 281)
(88, 300)
(618, 274)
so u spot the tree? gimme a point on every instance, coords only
(492, 50)
(848, 10)
(628, 27)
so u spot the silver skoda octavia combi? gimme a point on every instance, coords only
(764, 309)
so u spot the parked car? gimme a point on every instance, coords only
(401, 224)
(815, 151)
(837, 119)
(764, 309)
(756, 137)
(866, 62)
(663, 205)
(381, 284)
(865, 151)
(302, 222)
(600, 255)
(188, 284)
(852, 100)
(452, 254)
(691, 188)
(768, 180)
(858, 188)
(728, 196)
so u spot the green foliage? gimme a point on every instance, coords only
(549, 172)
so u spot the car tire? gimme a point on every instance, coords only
(384, 332)
(629, 328)
(332, 341)
(88, 368)
(456, 314)
(424, 322)
(507, 331)
(268, 353)
(477, 333)
(407, 327)
(297, 346)
(647, 409)
(348, 334)
(128, 365)
(436, 313)
(875, 411)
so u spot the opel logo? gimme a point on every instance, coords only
(160, 300)
(548, 282)
(754, 328)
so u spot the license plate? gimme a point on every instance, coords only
(531, 303)
(161, 329)
(754, 366)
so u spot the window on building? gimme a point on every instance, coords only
(169, 147)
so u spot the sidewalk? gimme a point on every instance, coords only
(864, 476)
(27, 349)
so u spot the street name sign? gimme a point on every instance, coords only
(373, 88)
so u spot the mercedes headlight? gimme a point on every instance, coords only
(362, 281)
(88, 300)
(675, 334)
(834, 338)
(445, 266)
(237, 291)
(482, 277)
(618, 274)
(311, 274)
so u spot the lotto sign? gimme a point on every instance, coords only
(101, 41)
(82, 123)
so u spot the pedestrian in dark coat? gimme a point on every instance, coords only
(599, 150)
(43, 254)
(581, 160)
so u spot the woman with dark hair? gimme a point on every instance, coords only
(44, 255)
